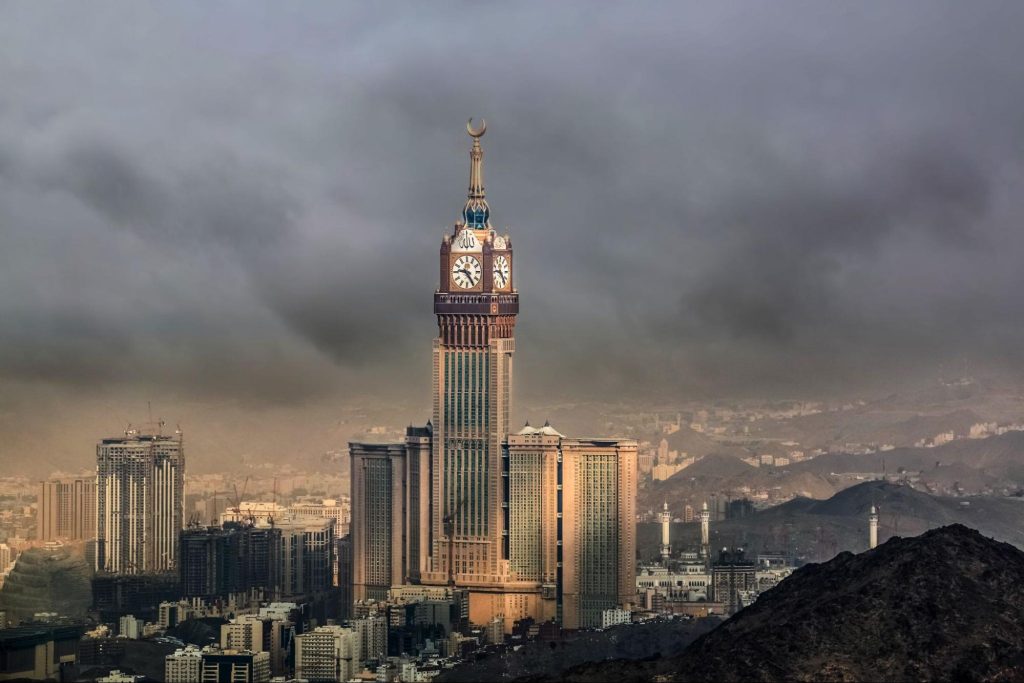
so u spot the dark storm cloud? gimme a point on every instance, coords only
(247, 200)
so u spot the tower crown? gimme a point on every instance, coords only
(476, 213)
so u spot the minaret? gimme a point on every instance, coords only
(666, 519)
(873, 527)
(705, 530)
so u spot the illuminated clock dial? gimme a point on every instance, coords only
(466, 271)
(501, 271)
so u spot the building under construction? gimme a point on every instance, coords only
(114, 595)
(236, 559)
(288, 559)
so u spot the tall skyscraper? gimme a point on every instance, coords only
(66, 509)
(378, 520)
(461, 503)
(476, 307)
(571, 526)
(140, 482)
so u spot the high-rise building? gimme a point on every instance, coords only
(460, 503)
(183, 665)
(373, 638)
(66, 509)
(344, 562)
(259, 633)
(307, 556)
(208, 563)
(476, 305)
(282, 559)
(378, 519)
(328, 653)
(582, 534)
(732, 576)
(140, 482)
(130, 627)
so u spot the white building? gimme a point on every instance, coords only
(328, 653)
(118, 676)
(612, 617)
(688, 582)
(130, 627)
(184, 665)
(140, 481)
(413, 672)
(278, 611)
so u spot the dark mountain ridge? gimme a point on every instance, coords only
(946, 605)
(817, 529)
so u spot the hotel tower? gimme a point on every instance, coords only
(459, 503)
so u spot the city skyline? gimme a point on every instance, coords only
(710, 368)
(783, 200)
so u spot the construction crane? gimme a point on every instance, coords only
(238, 498)
(273, 508)
(449, 530)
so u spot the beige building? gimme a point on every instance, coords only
(584, 529)
(242, 633)
(327, 653)
(183, 665)
(66, 509)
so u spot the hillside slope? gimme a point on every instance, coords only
(946, 605)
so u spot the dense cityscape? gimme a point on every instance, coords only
(431, 552)
(736, 396)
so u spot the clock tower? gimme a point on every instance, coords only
(476, 306)
(528, 523)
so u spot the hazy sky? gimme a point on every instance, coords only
(243, 202)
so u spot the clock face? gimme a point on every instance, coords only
(501, 271)
(466, 271)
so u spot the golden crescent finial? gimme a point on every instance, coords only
(476, 133)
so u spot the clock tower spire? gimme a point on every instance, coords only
(476, 214)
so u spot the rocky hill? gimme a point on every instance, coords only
(946, 605)
(544, 660)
